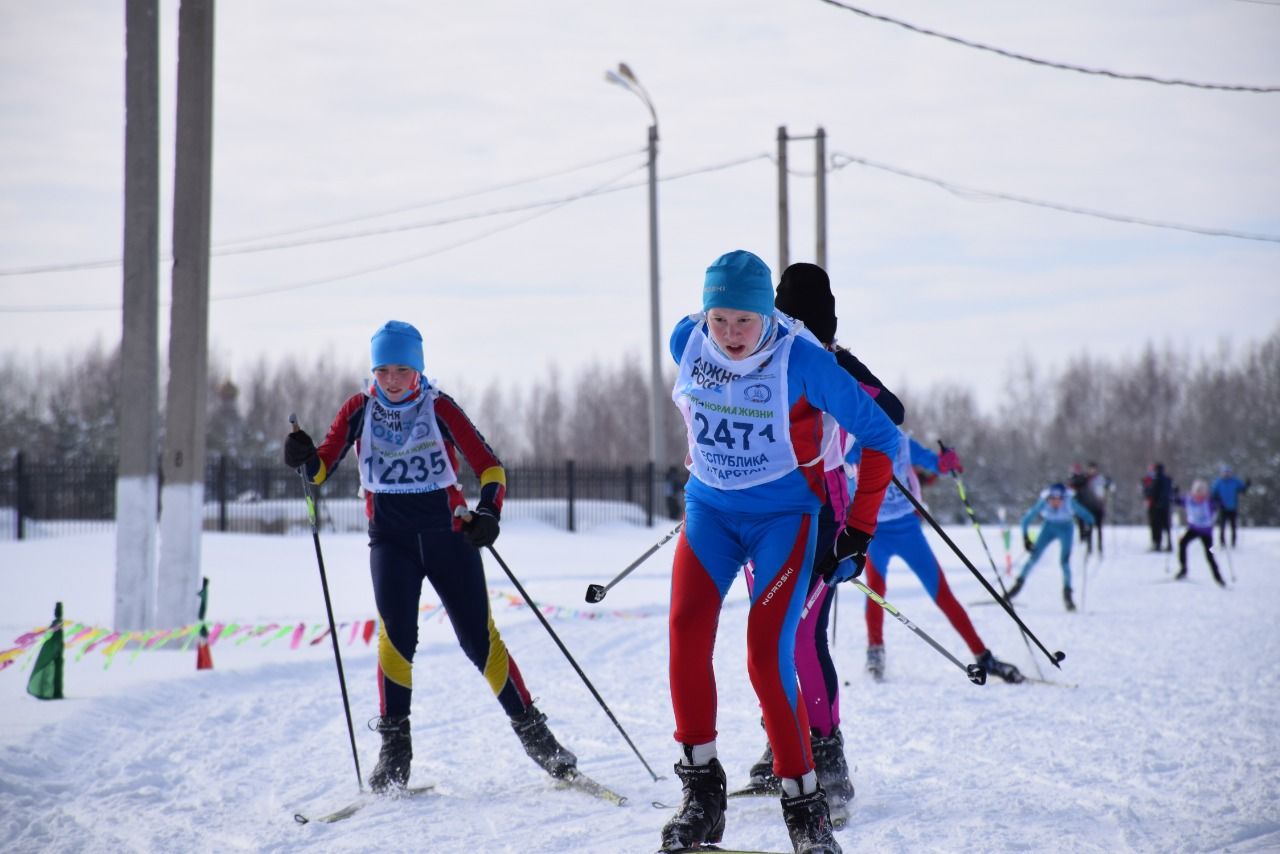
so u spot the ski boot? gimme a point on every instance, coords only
(833, 774)
(700, 818)
(541, 745)
(392, 771)
(762, 780)
(809, 823)
(996, 667)
(1013, 591)
(875, 661)
(1067, 600)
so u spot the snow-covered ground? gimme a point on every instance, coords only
(1168, 741)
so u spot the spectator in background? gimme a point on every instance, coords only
(1157, 489)
(1226, 492)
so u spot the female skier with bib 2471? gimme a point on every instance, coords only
(759, 403)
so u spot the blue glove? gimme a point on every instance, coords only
(847, 569)
(847, 557)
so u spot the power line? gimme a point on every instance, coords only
(969, 192)
(552, 203)
(101, 263)
(546, 208)
(433, 202)
(1144, 78)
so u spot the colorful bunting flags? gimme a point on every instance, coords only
(85, 638)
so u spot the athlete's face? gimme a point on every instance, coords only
(396, 381)
(735, 332)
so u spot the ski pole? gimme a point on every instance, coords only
(1084, 578)
(1054, 657)
(466, 516)
(1231, 566)
(309, 493)
(973, 517)
(976, 674)
(964, 498)
(596, 592)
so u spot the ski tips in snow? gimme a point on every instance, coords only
(363, 801)
(715, 848)
(756, 790)
(583, 783)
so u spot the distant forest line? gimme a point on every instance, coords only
(1191, 413)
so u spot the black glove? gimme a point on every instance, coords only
(850, 545)
(298, 449)
(1026, 543)
(482, 528)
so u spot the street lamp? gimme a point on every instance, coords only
(657, 451)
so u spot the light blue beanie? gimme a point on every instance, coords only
(739, 280)
(396, 343)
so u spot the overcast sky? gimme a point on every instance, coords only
(398, 116)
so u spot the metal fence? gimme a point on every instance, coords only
(263, 497)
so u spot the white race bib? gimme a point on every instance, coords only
(735, 413)
(401, 449)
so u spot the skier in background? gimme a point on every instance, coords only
(753, 394)
(407, 435)
(1198, 511)
(1056, 506)
(899, 533)
(1226, 491)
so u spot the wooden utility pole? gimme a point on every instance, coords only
(820, 199)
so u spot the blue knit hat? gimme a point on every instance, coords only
(739, 280)
(1058, 490)
(396, 343)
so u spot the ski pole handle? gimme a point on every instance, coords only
(818, 590)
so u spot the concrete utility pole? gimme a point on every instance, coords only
(137, 482)
(820, 199)
(182, 498)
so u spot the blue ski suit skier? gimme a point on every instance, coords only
(899, 534)
(1056, 507)
(1226, 492)
(760, 404)
(409, 437)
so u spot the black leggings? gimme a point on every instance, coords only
(1206, 540)
(1224, 516)
(398, 563)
